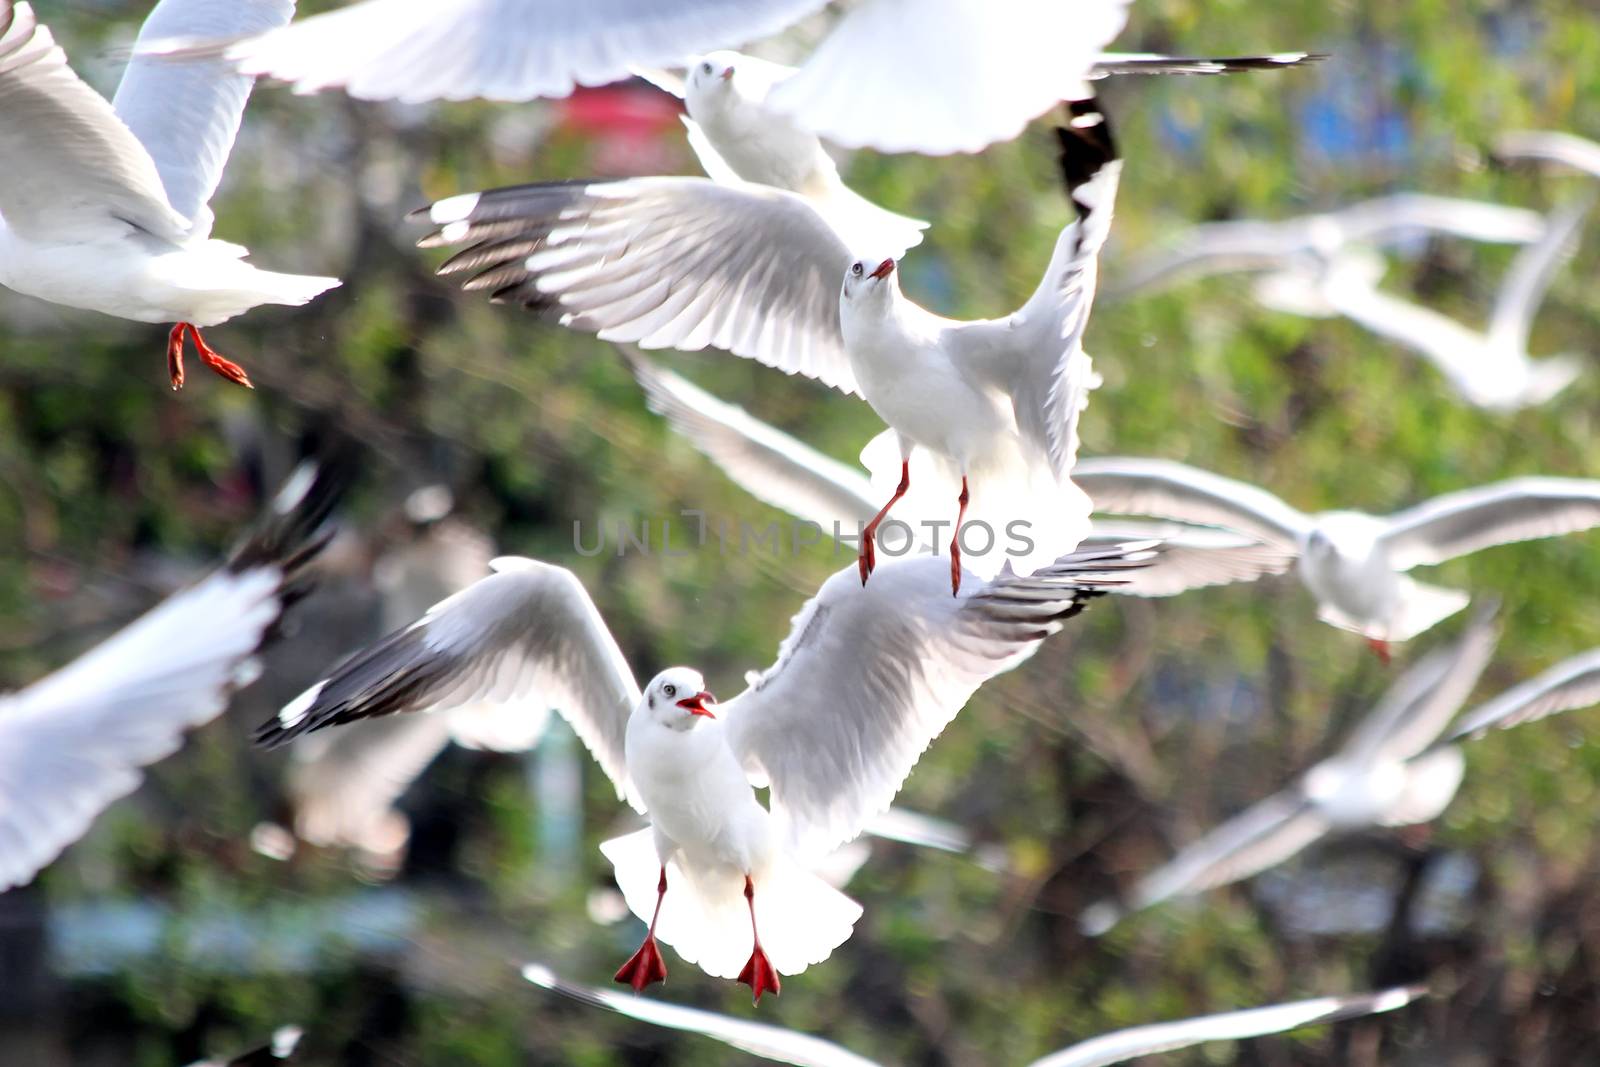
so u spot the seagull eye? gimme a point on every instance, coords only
(670, 690)
(855, 268)
(705, 68)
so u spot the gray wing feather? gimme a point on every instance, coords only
(1520, 509)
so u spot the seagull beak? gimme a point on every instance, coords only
(885, 269)
(696, 705)
(727, 73)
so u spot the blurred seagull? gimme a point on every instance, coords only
(285, 1040)
(1257, 245)
(938, 76)
(1491, 369)
(686, 262)
(1352, 562)
(788, 474)
(73, 742)
(104, 207)
(1389, 773)
(866, 679)
(1568, 150)
(792, 1046)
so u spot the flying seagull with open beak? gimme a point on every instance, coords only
(686, 263)
(865, 680)
(1354, 564)
(105, 206)
(75, 741)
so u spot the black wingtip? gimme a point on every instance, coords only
(1087, 145)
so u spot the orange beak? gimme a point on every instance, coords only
(696, 705)
(727, 72)
(884, 269)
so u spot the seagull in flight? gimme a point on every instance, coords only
(783, 1045)
(940, 76)
(867, 678)
(74, 742)
(686, 263)
(105, 206)
(1390, 772)
(1262, 245)
(788, 474)
(1354, 564)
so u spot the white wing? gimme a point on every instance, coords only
(1569, 685)
(1520, 509)
(1387, 219)
(186, 112)
(75, 741)
(666, 262)
(1531, 272)
(527, 634)
(73, 170)
(1254, 1022)
(1165, 489)
(344, 783)
(941, 76)
(764, 461)
(418, 50)
(1260, 837)
(1423, 700)
(1192, 557)
(758, 1039)
(1036, 355)
(869, 676)
(1564, 148)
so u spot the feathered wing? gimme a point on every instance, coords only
(73, 170)
(1567, 149)
(186, 111)
(1230, 1026)
(666, 262)
(772, 466)
(1386, 219)
(758, 1039)
(1423, 700)
(1519, 509)
(527, 635)
(1164, 489)
(1569, 685)
(869, 676)
(1260, 837)
(1192, 557)
(344, 784)
(942, 76)
(75, 741)
(1532, 271)
(420, 50)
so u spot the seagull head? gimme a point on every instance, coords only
(869, 279)
(711, 78)
(677, 698)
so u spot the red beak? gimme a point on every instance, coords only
(727, 72)
(884, 269)
(696, 705)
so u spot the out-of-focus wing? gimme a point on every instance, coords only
(666, 262)
(1519, 509)
(528, 634)
(1130, 486)
(1550, 147)
(1531, 272)
(1569, 685)
(1192, 557)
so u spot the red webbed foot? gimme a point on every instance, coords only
(760, 976)
(644, 967)
(226, 368)
(175, 356)
(1381, 649)
(868, 557)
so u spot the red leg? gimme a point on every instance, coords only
(175, 356)
(645, 966)
(758, 974)
(955, 542)
(869, 555)
(213, 359)
(1381, 648)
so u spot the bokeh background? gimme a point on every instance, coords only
(163, 935)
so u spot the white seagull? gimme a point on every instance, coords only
(1355, 564)
(1259, 245)
(687, 262)
(1491, 369)
(104, 206)
(74, 741)
(941, 75)
(1391, 772)
(792, 1046)
(786, 473)
(865, 681)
